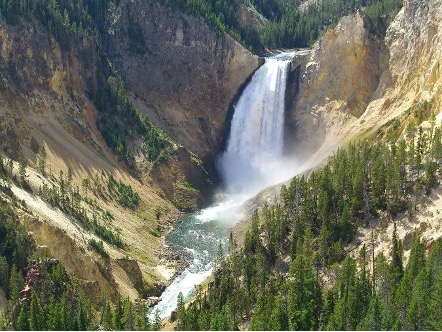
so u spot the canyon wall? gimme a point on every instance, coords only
(357, 79)
(180, 72)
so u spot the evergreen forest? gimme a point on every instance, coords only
(295, 270)
(288, 26)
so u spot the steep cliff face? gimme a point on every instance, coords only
(343, 66)
(353, 81)
(37, 77)
(249, 18)
(415, 43)
(180, 73)
(337, 79)
(44, 105)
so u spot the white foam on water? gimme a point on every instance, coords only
(184, 283)
(252, 161)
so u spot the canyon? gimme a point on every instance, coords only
(359, 80)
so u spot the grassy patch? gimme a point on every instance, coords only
(125, 195)
(185, 196)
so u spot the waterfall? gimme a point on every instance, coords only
(252, 159)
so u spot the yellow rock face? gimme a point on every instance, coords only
(57, 83)
(353, 82)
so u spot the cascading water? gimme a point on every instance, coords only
(251, 162)
(255, 146)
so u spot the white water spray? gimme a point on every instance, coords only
(252, 160)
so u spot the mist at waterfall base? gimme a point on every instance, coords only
(252, 161)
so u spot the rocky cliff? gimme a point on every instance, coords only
(414, 41)
(44, 106)
(355, 81)
(179, 72)
(336, 80)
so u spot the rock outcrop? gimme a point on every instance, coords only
(354, 81)
(336, 79)
(343, 66)
(414, 41)
(180, 73)
(33, 281)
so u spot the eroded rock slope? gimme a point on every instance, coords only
(355, 81)
(180, 74)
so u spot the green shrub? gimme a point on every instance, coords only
(98, 247)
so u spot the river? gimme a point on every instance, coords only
(252, 161)
(200, 234)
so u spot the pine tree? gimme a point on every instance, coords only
(2, 165)
(402, 160)
(4, 274)
(373, 319)
(417, 311)
(108, 321)
(63, 320)
(16, 282)
(323, 240)
(437, 145)
(434, 321)
(307, 242)
(363, 286)
(260, 318)
(118, 315)
(357, 196)
(434, 261)
(378, 177)
(328, 308)
(156, 326)
(220, 322)
(396, 265)
(128, 316)
(345, 226)
(3, 321)
(22, 171)
(41, 161)
(278, 319)
(141, 321)
(430, 175)
(385, 288)
(402, 296)
(53, 315)
(22, 323)
(345, 313)
(417, 257)
(36, 314)
(301, 294)
(219, 257)
(81, 317)
(181, 312)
